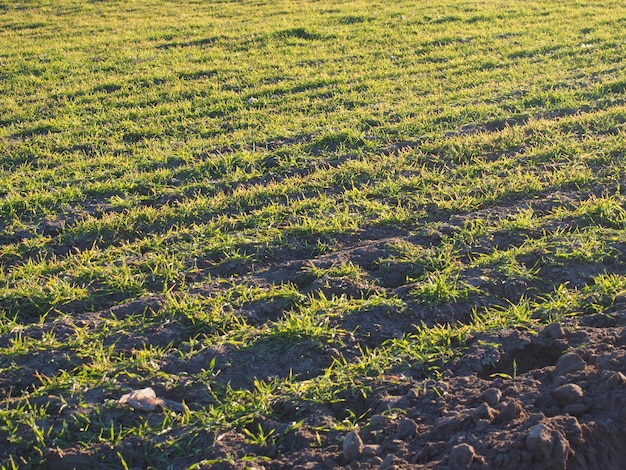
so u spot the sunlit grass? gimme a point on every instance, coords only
(260, 207)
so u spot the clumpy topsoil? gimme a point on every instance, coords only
(548, 397)
(537, 396)
(553, 397)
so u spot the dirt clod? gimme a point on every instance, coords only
(406, 429)
(512, 410)
(378, 422)
(539, 442)
(370, 450)
(614, 379)
(461, 456)
(484, 411)
(569, 363)
(492, 396)
(352, 446)
(567, 394)
(554, 331)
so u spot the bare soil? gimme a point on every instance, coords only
(547, 398)
(552, 397)
(539, 397)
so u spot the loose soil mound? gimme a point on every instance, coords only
(548, 398)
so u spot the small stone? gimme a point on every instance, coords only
(141, 400)
(352, 446)
(492, 396)
(569, 363)
(461, 456)
(484, 411)
(539, 441)
(554, 331)
(567, 394)
(406, 429)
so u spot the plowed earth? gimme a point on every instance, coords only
(547, 398)
(542, 396)
(550, 397)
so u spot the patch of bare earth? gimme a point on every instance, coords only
(549, 397)
(553, 397)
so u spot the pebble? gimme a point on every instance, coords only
(461, 456)
(406, 429)
(492, 396)
(141, 400)
(567, 394)
(569, 363)
(539, 441)
(352, 446)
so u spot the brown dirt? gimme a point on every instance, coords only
(547, 398)
(550, 397)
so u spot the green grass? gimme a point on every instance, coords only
(193, 192)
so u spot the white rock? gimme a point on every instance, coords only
(142, 400)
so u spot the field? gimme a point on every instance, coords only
(325, 233)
